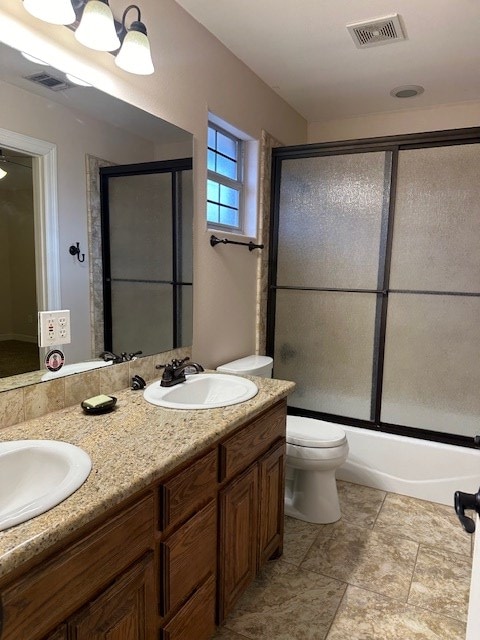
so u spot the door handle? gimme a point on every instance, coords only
(467, 501)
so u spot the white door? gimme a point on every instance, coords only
(473, 622)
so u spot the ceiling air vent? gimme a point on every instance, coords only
(374, 32)
(48, 81)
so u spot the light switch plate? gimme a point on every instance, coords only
(54, 328)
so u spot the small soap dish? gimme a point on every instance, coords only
(99, 404)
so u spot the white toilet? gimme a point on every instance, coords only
(315, 449)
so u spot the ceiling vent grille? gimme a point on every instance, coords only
(375, 32)
(48, 81)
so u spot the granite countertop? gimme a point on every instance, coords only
(130, 448)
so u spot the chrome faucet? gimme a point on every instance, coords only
(174, 372)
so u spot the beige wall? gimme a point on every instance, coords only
(195, 73)
(452, 116)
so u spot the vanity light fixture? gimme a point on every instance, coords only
(97, 27)
(135, 55)
(77, 81)
(53, 11)
(30, 58)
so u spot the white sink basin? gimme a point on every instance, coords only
(36, 475)
(202, 391)
(75, 367)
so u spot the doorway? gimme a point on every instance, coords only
(29, 247)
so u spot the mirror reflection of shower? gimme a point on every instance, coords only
(18, 321)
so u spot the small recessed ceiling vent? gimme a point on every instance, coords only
(48, 81)
(374, 32)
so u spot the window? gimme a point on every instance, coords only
(225, 180)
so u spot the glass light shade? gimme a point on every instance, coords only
(97, 29)
(77, 81)
(2, 173)
(30, 58)
(135, 56)
(53, 11)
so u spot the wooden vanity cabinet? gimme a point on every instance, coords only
(188, 551)
(123, 611)
(170, 564)
(49, 593)
(59, 634)
(252, 467)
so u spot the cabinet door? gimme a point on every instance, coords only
(196, 619)
(59, 634)
(238, 538)
(188, 558)
(271, 503)
(125, 611)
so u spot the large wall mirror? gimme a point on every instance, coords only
(57, 140)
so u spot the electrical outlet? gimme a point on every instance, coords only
(54, 328)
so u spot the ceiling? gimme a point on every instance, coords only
(302, 50)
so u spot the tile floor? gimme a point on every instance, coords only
(393, 568)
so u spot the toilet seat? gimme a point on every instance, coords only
(314, 434)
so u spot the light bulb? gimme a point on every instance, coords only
(53, 11)
(135, 56)
(97, 28)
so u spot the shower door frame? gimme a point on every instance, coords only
(175, 168)
(392, 144)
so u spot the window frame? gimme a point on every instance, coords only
(238, 185)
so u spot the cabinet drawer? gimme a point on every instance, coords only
(182, 495)
(57, 587)
(244, 447)
(196, 619)
(122, 610)
(188, 557)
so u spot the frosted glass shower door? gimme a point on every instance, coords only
(432, 346)
(140, 222)
(332, 231)
(147, 241)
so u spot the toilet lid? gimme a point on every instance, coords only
(307, 432)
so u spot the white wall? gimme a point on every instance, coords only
(451, 116)
(195, 73)
(75, 136)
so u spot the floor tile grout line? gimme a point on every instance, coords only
(379, 511)
(337, 609)
(413, 572)
(437, 613)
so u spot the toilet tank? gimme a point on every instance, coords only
(251, 366)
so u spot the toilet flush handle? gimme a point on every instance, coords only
(467, 501)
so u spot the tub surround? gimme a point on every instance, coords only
(130, 448)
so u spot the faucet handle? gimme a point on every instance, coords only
(177, 362)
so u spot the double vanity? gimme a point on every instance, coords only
(179, 512)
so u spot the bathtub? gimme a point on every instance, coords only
(409, 466)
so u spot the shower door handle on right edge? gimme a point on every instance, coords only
(467, 501)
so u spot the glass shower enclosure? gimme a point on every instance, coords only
(374, 296)
(147, 218)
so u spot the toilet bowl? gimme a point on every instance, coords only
(315, 449)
